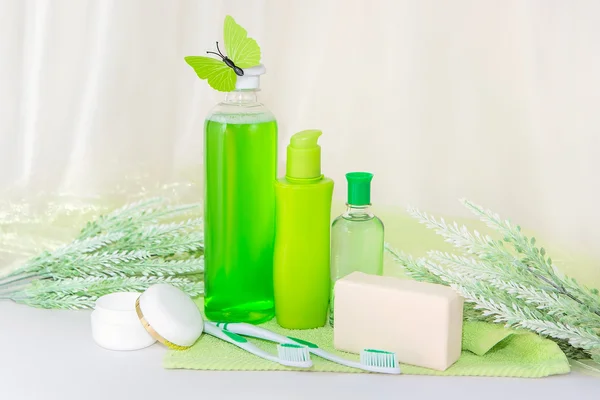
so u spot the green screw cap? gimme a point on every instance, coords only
(359, 188)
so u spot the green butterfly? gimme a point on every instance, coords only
(242, 52)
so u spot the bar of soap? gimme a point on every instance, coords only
(421, 322)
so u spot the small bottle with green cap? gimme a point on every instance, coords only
(301, 275)
(356, 235)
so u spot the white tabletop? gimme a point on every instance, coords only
(49, 354)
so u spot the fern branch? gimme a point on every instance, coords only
(83, 292)
(417, 270)
(519, 287)
(535, 258)
(56, 301)
(413, 268)
(132, 217)
(128, 249)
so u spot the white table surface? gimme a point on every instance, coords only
(50, 354)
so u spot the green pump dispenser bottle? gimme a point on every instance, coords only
(301, 275)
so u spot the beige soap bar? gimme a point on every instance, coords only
(421, 322)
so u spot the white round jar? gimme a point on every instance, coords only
(115, 323)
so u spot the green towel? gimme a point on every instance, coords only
(488, 350)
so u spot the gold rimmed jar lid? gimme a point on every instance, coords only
(170, 316)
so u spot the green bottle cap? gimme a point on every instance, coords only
(304, 157)
(359, 188)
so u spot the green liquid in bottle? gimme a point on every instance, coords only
(241, 165)
(356, 236)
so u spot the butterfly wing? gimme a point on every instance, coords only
(219, 76)
(241, 49)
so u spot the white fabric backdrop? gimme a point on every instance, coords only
(496, 101)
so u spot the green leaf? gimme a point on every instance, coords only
(533, 241)
(543, 252)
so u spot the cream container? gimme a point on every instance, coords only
(116, 325)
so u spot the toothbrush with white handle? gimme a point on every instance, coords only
(289, 354)
(370, 360)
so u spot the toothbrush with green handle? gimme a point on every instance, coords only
(370, 360)
(289, 354)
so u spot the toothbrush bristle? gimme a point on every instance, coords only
(379, 359)
(293, 353)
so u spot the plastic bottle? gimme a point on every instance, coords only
(303, 215)
(240, 151)
(356, 235)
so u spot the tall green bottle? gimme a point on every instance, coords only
(303, 213)
(240, 152)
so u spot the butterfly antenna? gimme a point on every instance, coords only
(217, 54)
(219, 50)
